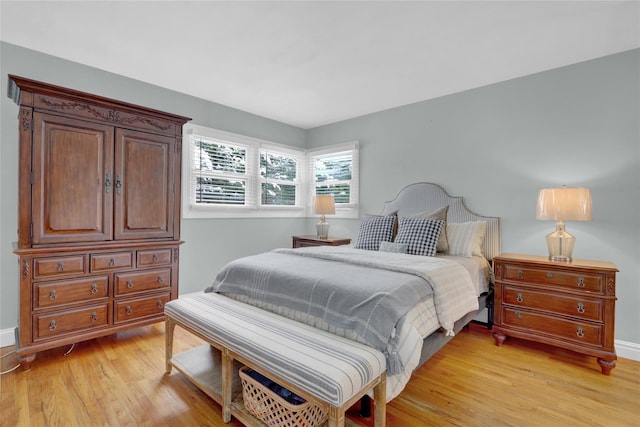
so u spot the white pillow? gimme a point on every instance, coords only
(465, 238)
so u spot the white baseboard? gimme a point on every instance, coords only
(7, 337)
(625, 349)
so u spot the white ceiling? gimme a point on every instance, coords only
(309, 63)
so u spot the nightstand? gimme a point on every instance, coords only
(302, 241)
(568, 305)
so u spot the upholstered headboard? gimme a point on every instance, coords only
(427, 197)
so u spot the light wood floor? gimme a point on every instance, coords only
(119, 381)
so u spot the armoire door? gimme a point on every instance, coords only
(144, 185)
(71, 180)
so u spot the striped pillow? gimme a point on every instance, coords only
(375, 229)
(465, 238)
(420, 235)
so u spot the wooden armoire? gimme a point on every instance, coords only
(98, 215)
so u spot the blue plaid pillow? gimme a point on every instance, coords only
(420, 235)
(375, 229)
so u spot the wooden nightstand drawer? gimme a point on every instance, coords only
(561, 304)
(306, 241)
(127, 310)
(140, 281)
(50, 294)
(552, 276)
(63, 322)
(563, 329)
(111, 261)
(58, 266)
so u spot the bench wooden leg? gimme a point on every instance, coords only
(169, 325)
(336, 417)
(227, 382)
(380, 401)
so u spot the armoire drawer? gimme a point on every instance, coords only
(58, 266)
(587, 282)
(51, 294)
(151, 258)
(584, 308)
(131, 309)
(563, 329)
(140, 281)
(111, 261)
(48, 325)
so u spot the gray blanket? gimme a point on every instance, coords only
(372, 302)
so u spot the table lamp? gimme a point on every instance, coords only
(323, 204)
(563, 204)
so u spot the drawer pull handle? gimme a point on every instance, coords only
(52, 325)
(94, 288)
(60, 267)
(128, 310)
(519, 297)
(581, 308)
(159, 304)
(112, 262)
(580, 333)
(518, 315)
(549, 275)
(118, 185)
(581, 283)
(94, 317)
(107, 182)
(154, 258)
(52, 294)
(160, 279)
(129, 284)
(520, 274)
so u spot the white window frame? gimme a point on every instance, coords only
(305, 178)
(343, 210)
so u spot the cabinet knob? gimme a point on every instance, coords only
(128, 310)
(549, 275)
(129, 284)
(52, 294)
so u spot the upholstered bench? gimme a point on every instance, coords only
(320, 367)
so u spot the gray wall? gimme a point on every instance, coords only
(496, 145)
(499, 144)
(209, 244)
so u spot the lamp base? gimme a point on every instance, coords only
(322, 230)
(560, 244)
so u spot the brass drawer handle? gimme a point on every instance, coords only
(518, 315)
(52, 325)
(581, 283)
(580, 332)
(129, 284)
(94, 289)
(581, 308)
(159, 304)
(112, 262)
(118, 184)
(94, 317)
(154, 258)
(549, 275)
(519, 297)
(60, 267)
(128, 310)
(520, 274)
(52, 294)
(160, 279)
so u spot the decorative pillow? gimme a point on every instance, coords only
(399, 248)
(441, 214)
(465, 238)
(375, 229)
(420, 235)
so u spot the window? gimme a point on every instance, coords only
(334, 170)
(226, 175)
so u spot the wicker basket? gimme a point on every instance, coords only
(275, 411)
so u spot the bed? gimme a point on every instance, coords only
(315, 285)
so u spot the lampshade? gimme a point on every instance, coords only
(563, 204)
(324, 205)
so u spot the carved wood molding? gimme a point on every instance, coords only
(109, 115)
(25, 119)
(26, 269)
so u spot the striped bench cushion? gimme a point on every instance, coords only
(330, 368)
